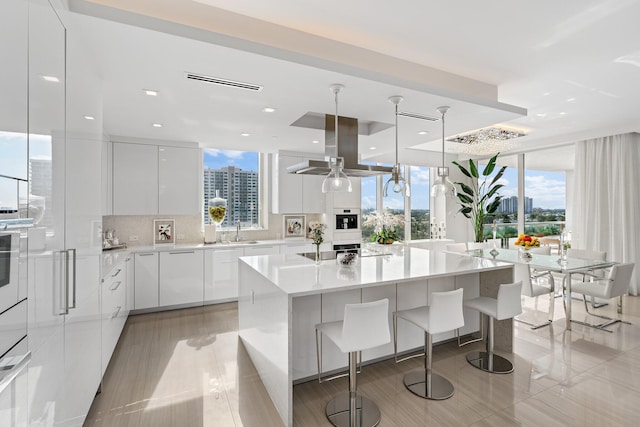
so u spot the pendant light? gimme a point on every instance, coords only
(443, 186)
(337, 180)
(400, 185)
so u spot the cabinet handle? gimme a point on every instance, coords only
(182, 252)
(151, 254)
(117, 272)
(115, 314)
(14, 371)
(73, 275)
(63, 276)
(117, 285)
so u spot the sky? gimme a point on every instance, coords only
(216, 159)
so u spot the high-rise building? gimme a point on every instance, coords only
(239, 188)
(509, 205)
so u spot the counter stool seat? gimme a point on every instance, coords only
(364, 326)
(506, 306)
(442, 315)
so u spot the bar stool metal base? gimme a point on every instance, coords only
(440, 389)
(367, 412)
(481, 360)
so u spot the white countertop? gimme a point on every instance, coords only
(298, 276)
(230, 245)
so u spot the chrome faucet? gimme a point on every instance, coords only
(237, 230)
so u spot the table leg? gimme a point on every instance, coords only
(567, 304)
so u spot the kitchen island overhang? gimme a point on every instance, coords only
(282, 297)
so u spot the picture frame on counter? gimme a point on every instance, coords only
(294, 226)
(164, 231)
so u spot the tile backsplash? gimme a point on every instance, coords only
(137, 230)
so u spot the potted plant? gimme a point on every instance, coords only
(480, 199)
(385, 226)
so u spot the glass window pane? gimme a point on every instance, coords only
(506, 215)
(235, 175)
(420, 228)
(394, 202)
(545, 201)
(368, 204)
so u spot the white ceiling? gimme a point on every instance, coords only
(573, 67)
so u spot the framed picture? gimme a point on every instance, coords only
(164, 231)
(295, 226)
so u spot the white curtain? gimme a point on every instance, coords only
(606, 200)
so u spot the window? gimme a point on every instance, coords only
(418, 203)
(420, 190)
(545, 201)
(235, 175)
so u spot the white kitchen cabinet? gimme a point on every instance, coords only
(221, 274)
(146, 294)
(261, 250)
(353, 199)
(150, 179)
(181, 277)
(293, 193)
(179, 180)
(135, 179)
(130, 297)
(114, 299)
(107, 178)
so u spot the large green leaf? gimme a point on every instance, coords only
(467, 189)
(464, 198)
(490, 166)
(494, 205)
(473, 169)
(498, 176)
(493, 190)
(462, 169)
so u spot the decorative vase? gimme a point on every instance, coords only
(383, 241)
(217, 209)
(524, 253)
(317, 253)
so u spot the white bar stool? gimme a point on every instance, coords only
(365, 326)
(506, 306)
(442, 315)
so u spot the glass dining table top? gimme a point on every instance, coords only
(541, 261)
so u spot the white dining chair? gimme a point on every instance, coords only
(615, 285)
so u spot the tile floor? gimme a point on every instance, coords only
(188, 368)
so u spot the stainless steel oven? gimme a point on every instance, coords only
(346, 247)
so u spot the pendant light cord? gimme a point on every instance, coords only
(397, 137)
(443, 140)
(336, 91)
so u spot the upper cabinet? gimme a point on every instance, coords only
(151, 180)
(179, 180)
(295, 193)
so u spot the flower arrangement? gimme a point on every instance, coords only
(527, 241)
(316, 232)
(385, 225)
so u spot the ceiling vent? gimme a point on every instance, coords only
(223, 82)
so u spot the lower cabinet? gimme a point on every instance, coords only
(114, 310)
(146, 294)
(221, 274)
(181, 277)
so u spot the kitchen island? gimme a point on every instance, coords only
(282, 297)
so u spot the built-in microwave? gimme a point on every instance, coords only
(347, 219)
(9, 263)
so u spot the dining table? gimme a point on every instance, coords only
(553, 263)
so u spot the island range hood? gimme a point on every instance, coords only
(346, 147)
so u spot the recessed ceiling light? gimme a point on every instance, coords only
(423, 132)
(150, 92)
(315, 141)
(570, 99)
(245, 134)
(51, 79)
(89, 117)
(372, 148)
(541, 114)
(546, 94)
(562, 113)
(157, 125)
(268, 109)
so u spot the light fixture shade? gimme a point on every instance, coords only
(443, 186)
(336, 180)
(400, 185)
